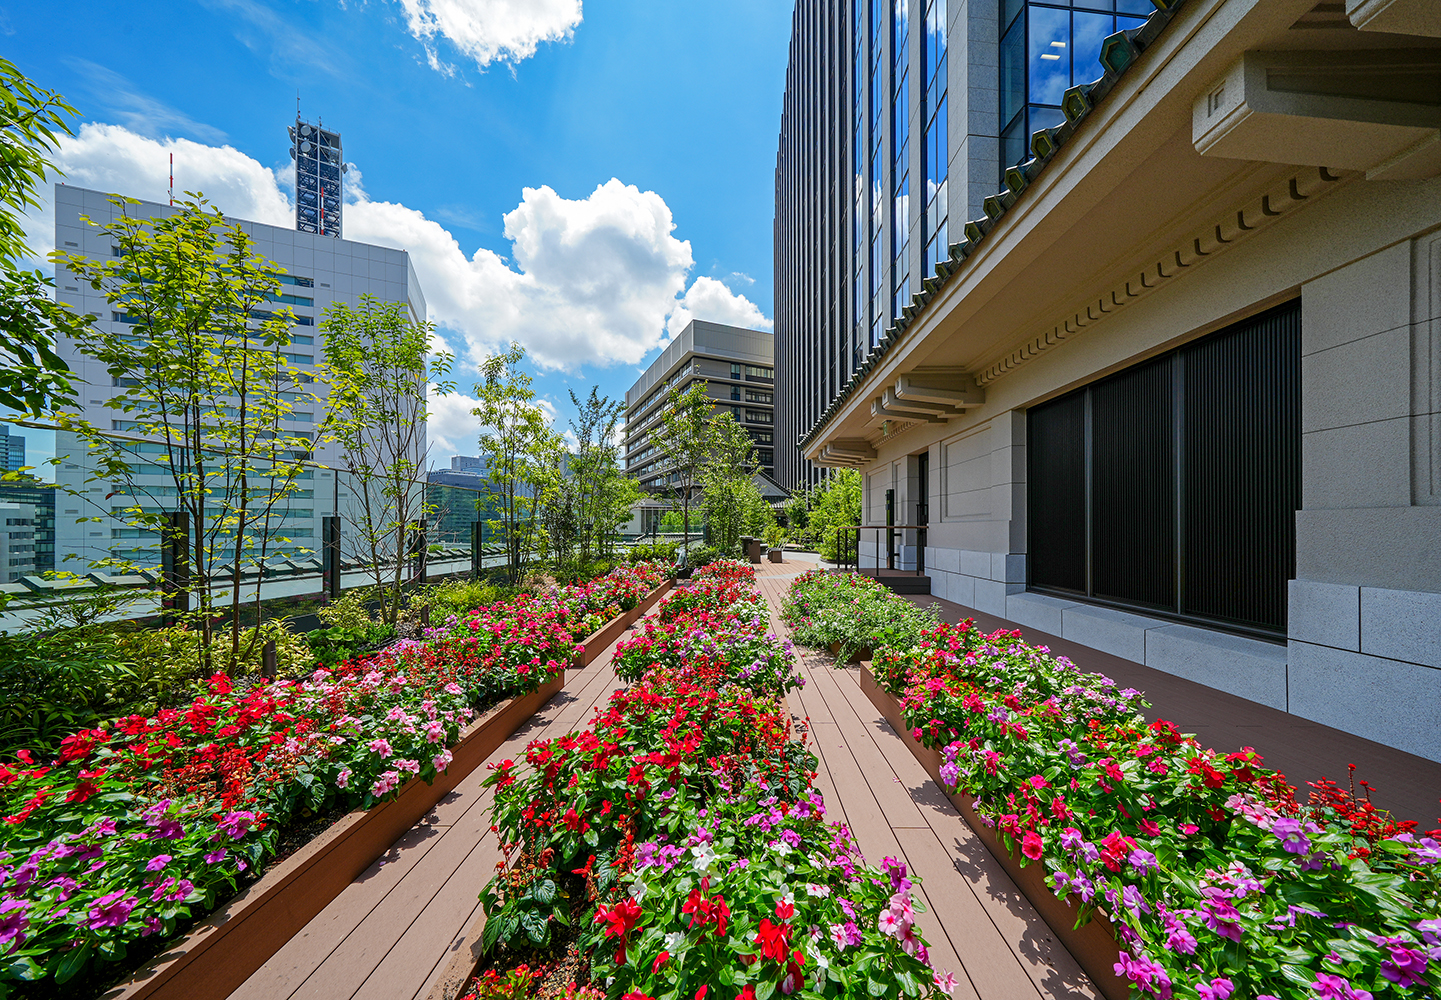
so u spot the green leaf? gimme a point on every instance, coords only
(765, 989)
(875, 987)
(72, 964)
(543, 892)
(536, 928)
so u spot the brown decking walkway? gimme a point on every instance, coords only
(1303, 750)
(392, 933)
(978, 923)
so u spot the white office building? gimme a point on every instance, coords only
(320, 270)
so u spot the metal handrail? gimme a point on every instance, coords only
(851, 557)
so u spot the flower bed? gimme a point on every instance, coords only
(137, 827)
(676, 846)
(1217, 880)
(851, 615)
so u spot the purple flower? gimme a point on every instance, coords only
(1289, 832)
(1134, 901)
(111, 911)
(1217, 989)
(1406, 967)
(215, 857)
(13, 920)
(182, 889)
(1222, 917)
(1329, 987)
(1143, 861)
(169, 829)
(236, 824)
(158, 862)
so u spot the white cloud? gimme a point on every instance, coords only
(595, 281)
(490, 30)
(451, 429)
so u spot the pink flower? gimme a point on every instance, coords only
(381, 747)
(385, 783)
(342, 780)
(453, 688)
(888, 923)
(1032, 845)
(1219, 989)
(413, 766)
(111, 911)
(435, 731)
(945, 982)
(158, 862)
(441, 760)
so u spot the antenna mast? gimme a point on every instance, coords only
(172, 180)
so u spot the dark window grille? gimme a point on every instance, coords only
(1172, 487)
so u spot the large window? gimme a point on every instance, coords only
(935, 154)
(901, 157)
(1172, 487)
(1047, 48)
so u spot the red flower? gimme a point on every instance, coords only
(1115, 849)
(1032, 845)
(700, 993)
(619, 919)
(660, 960)
(749, 993)
(774, 939)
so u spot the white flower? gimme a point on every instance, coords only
(780, 847)
(638, 890)
(674, 940)
(702, 857)
(817, 890)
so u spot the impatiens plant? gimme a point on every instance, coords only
(853, 613)
(1217, 880)
(137, 825)
(678, 841)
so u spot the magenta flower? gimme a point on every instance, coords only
(169, 829)
(13, 921)
(1218, 989)
(381, 747)
(1406, 967)
(111, 911)
(215, 857)
(158, 862)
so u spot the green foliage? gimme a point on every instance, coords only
(456, 597)
(377, 365)
(584, 506)
(703, 555)
(33, 378)
(683, 438)
(815, 513)
(522, 455)
(733, 505)
(657, 551)
(854, 612)
(330, 646)
(347, 611)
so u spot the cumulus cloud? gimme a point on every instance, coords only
(599, 280)
(452, 429)
(490, 31)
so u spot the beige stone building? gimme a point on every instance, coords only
(1176, 393)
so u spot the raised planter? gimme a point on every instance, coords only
(598, 641)
(226, 948)
(1093, 945)
(859, 656)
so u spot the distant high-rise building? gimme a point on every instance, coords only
(12, 449)
(319, 167)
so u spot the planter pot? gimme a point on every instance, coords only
(774, 555)
(1094, 945)
(215, 958)
(596, 642)
(859, 656)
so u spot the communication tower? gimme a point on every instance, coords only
(319, 167)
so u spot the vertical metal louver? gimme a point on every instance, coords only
(1172, 487)
(1243, 470)
(1056, 456)
(1133, 495)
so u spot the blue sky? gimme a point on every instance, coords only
(604, 173)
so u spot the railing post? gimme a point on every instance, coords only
(477, 541)
(921, 551)
(418, 550)
(269, 665)
(175, 565)
(330, 556)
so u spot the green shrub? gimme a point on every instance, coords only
(329, 646)
(456, 597)
(703, 555)
(347, 611)
(657, 552)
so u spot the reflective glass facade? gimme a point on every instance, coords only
(1047, 48)
(875, 111)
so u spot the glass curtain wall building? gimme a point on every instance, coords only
(933, 97)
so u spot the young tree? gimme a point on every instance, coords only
(684, 439)
(604, 494)
(202, 373)
(837, 505)
(33, 378)
(728, 491)
(522, 454)
(378, 367)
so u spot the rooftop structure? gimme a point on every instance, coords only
(319, 188)
(12, 449)
(735, 363)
